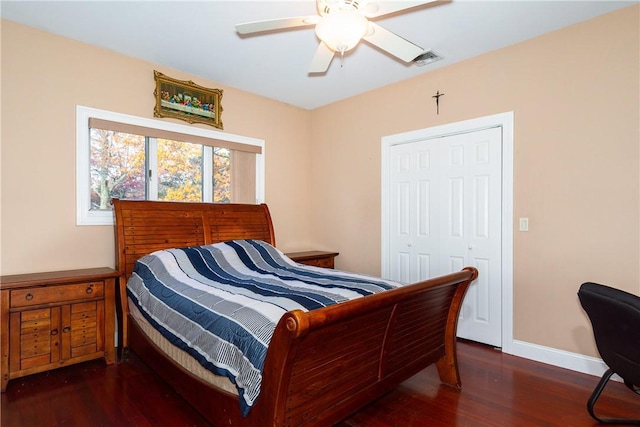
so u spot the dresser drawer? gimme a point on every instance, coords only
(322, 259)
(56, 294)
(319, 262)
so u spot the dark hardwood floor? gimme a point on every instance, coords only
(498, 390)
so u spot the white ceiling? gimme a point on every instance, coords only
(199, 37)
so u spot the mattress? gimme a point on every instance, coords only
(178, 355)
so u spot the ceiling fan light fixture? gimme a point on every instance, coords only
(341, 30)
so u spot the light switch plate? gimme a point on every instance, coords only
(524, 224)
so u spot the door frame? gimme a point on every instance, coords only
(504, 121)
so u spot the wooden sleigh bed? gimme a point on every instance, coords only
(321, 365)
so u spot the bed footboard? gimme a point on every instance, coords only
(325, 364)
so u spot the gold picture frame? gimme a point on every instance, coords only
(185, 100)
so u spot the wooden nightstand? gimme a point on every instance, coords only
(314, 258)
(49, 320)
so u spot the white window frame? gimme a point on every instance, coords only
(84, 214)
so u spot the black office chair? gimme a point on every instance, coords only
(615, 318)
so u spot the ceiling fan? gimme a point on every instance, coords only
(341, 24)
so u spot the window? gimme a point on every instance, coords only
(221, 175)
(144, 159)
(179, 171)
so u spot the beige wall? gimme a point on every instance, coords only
(44, 77)
(575, 94)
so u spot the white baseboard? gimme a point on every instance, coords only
(563, 359)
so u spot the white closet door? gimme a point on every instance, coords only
(445, 214)
(414, 240)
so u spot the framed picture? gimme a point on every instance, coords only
(185, 100)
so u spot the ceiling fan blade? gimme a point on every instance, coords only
(277, 24)
(376, 8)
(392, 43)
(322, 59)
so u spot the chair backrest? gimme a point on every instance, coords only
(615, 317)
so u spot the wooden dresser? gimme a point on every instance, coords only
(54, 319)
(314, 258)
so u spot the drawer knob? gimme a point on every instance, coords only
(29, 296)
(90, 289)
(66, 329)
(54, 331)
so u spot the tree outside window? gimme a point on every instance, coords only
(117, 167)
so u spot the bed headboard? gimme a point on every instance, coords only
(142, 227)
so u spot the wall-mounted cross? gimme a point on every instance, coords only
(437, 97)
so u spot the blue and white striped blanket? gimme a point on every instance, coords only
(222, 302)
